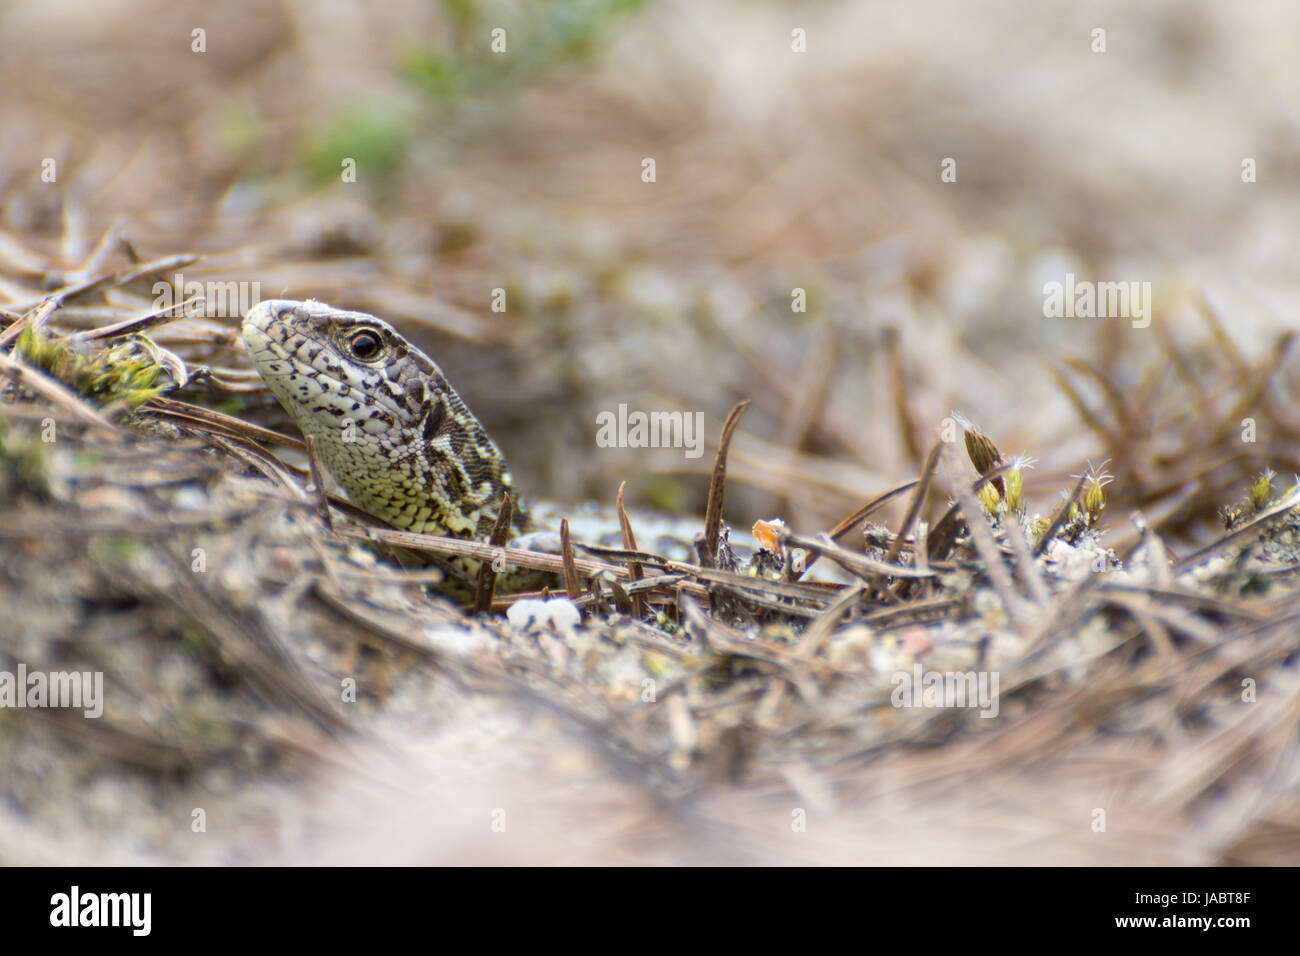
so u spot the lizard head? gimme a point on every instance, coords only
(390, 428)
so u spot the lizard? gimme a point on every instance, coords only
(390, 428)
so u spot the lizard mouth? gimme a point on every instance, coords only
(254, 333)
(264, 332)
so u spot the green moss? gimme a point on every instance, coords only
(666, 493)
(194, 640)
(656, 666)
(113, 549)
(540, 37)
(1261, 491)
(124, 373)
(665, 623)
(373, 136)
(24, 464)
(241, 132)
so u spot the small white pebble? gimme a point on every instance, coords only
(559, 614)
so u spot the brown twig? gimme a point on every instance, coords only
(917, 502)
(718, 488)
(856, 517)
(198, 418)
(487, 575)
(318, 481)
(629, 542)
(981, 533)
(571, 582)
(819, 632)
(1061, 515)
(36, 320)
(137, 323)
(114, 279)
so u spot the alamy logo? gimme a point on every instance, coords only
(921, 688)
(1098, 300)
(102, 909)
(215, 300)
(651, 430)
(73, 689)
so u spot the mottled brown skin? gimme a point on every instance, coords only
(389, 427)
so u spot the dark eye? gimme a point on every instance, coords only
(365, 345)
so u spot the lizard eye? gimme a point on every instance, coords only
(365, 345)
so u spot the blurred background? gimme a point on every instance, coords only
(775, 170)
